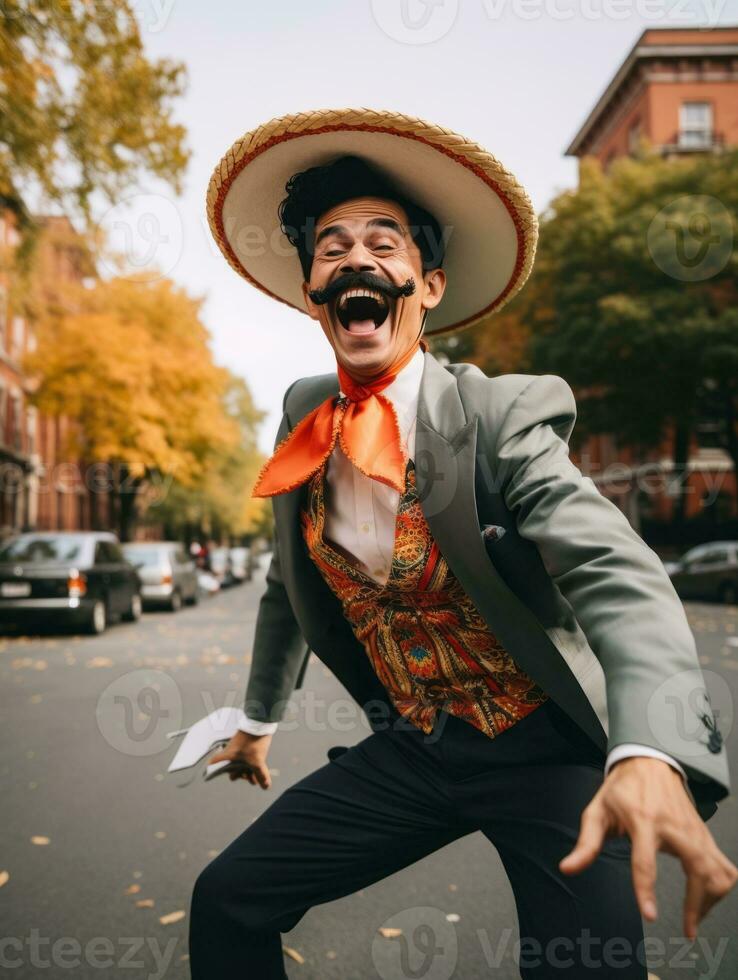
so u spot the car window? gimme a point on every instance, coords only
(33, 547)
(716, 556)
(143, 556)
(694, 555)
(107, 552)
(115, 552)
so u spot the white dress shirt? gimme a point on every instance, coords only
(360, 521)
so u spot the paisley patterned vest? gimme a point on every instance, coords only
(425, 639)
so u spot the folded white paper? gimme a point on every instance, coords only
(203, 737)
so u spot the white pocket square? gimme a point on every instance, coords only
(493, 532)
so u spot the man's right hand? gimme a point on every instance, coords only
(248, 752)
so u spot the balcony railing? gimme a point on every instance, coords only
(694, 141)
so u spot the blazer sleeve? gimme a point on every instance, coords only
(280, 653)
(617, 586)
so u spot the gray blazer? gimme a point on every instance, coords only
(578, 599)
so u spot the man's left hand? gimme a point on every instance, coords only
(646, 800)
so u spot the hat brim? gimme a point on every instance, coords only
(486, 217)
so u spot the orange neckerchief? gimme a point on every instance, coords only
(365, 424)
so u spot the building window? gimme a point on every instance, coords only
(3, 414)
(16, 414)
(634, 137)
(18, 337)
(695, 125)
(31, 428)
(3, 318)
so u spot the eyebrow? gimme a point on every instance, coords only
(374, 223)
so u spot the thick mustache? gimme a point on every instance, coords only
(359, 280)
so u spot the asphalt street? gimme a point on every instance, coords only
(101, 846)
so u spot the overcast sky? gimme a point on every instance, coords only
(517, 76)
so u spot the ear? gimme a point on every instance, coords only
(312, 308)
(434, 288)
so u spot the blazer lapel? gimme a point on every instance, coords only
(445, 457)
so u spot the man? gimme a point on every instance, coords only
(516, 647)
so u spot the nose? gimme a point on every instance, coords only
(359, 259)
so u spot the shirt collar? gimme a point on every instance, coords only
(404, 391)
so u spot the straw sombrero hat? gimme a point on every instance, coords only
(490, 220)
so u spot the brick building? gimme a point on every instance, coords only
(43, 486)
(678, 89)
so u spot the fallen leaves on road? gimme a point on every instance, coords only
(100, 662)
(40, 841)
(145, 903)
(22, 662)
(293, 954)
(389, 932)
(132, 890)
(160, 834)
(4, 878)
(171, 917)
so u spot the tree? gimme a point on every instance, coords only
(634, 299)
(219, 502)
(129, 362)
(82, 110)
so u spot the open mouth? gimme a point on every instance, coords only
(362, 311)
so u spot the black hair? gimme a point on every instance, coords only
(313, 192)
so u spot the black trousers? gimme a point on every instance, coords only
(399, 795)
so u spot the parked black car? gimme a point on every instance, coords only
(709, 571)
(76, 577)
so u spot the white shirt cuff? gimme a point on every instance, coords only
(252, 727)
(627, 750)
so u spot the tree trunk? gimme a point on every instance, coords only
(730, 443)
(127, 490)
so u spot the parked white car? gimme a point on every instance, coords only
(167, 573)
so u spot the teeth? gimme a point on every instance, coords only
(351, 293)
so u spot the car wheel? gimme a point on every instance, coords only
(133, 614)
(194, 598)
(175, 603)
(729, 594)
(98, 619)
